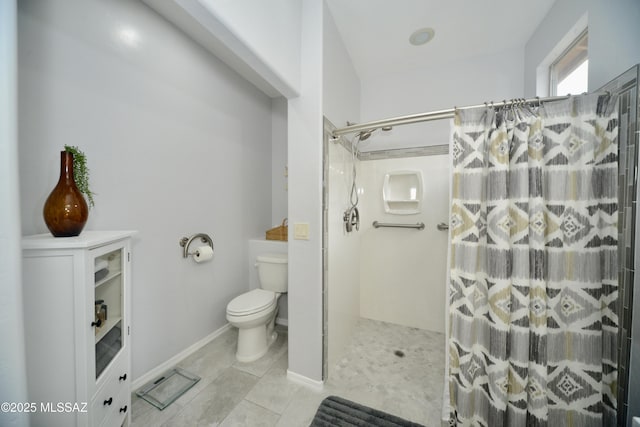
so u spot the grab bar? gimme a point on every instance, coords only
(419, 226)
(442, 226)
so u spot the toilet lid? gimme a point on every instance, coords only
(251, 302)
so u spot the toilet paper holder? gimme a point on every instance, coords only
(186, 241)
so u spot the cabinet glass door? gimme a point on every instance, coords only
(108, 307)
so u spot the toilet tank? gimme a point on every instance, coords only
(272, 272)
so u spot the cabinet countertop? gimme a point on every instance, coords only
(87, 239)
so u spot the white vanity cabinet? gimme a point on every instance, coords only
(76, 296)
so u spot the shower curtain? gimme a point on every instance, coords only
(533, 279)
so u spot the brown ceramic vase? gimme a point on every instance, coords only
(65, 211)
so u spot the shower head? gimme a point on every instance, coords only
(365, 134)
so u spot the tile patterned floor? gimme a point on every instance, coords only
(257, 394)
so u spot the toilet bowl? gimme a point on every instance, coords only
(254, 312)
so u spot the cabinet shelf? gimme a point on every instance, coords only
(402, 192)
(109, 277)
(108, 325)
(402, 207)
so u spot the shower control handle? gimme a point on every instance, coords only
(351, 219)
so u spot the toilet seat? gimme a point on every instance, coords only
(251, 302)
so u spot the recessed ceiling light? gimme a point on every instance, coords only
(422, 36)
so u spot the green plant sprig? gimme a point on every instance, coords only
(81, 172)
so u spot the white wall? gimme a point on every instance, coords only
(340, 82)
(445, 85)
(177, 144)
(269, 29)
(403, 271)
(13, 387)
(257, 39)
(279, 179)
(341, 102)
(613, 38)
(305, 203)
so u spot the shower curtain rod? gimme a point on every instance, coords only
(434, 115)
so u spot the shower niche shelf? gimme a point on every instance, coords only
(402, 192)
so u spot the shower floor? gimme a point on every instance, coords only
(254, 394)
(393, 368)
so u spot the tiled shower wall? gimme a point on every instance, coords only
(625, 243)
(403, 271)
(626, 87)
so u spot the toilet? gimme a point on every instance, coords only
(254, 312)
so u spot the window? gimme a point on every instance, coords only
(569, 73)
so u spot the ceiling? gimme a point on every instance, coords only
(376, 32)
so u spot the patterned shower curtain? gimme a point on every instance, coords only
(534, 278)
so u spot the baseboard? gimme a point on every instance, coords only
(282, 321)
(163, 367)
(305, 381)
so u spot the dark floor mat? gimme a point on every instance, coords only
(338, 412)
